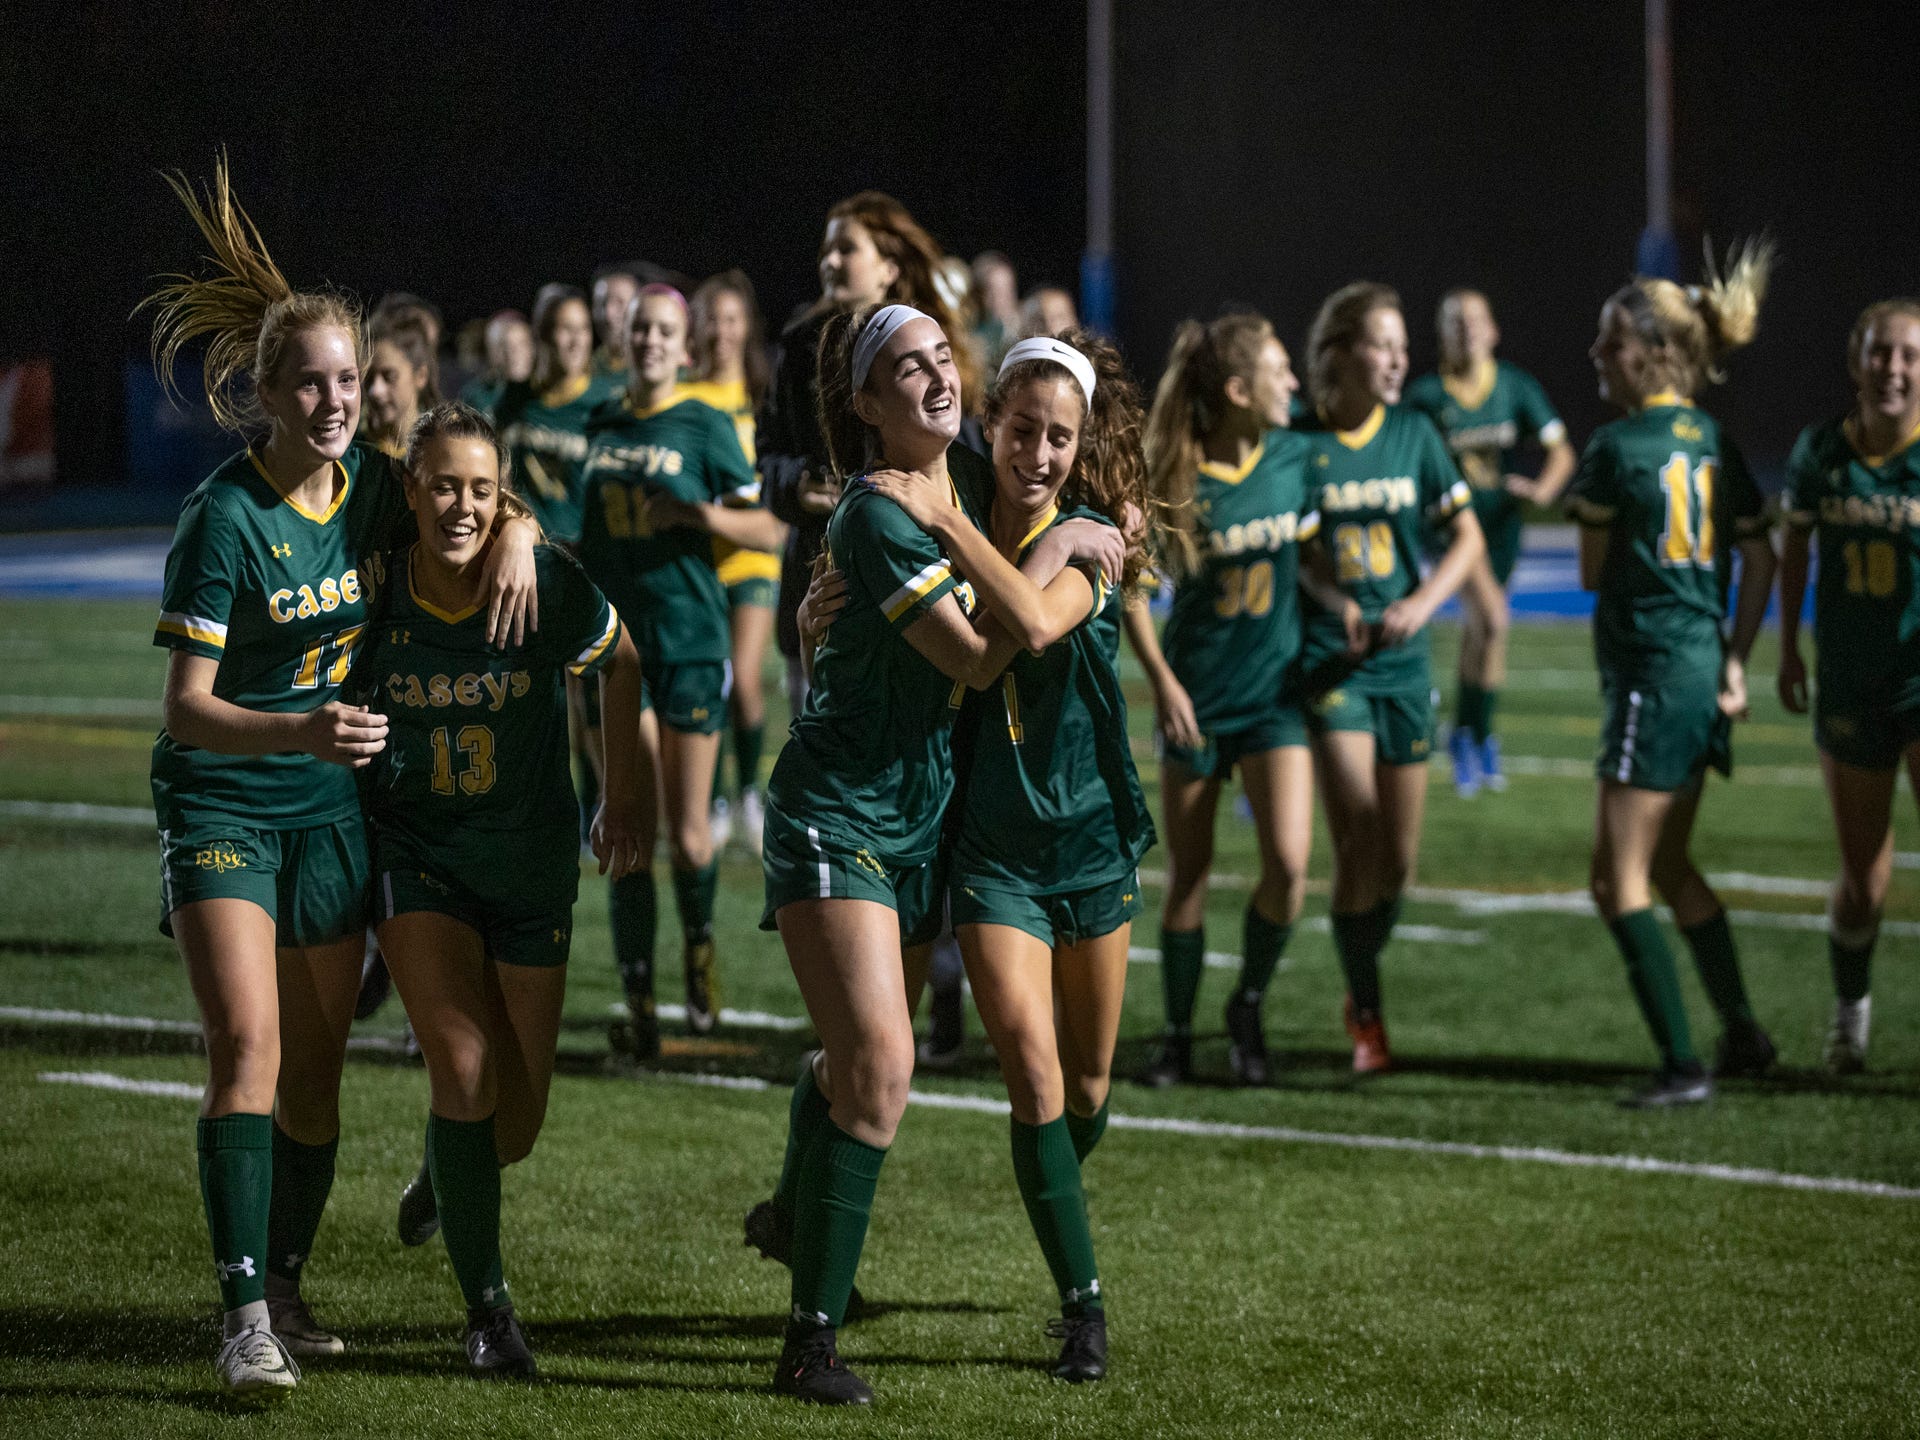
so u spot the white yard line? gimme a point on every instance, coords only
(79, 707)
(102, 1080)
(147, 1025)
(131, 815)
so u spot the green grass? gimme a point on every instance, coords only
(1259, 1287)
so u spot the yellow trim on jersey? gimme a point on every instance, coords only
(1362, 434)
(1455, 500)
(450, 617)
(346, 483)
(1232, 474)
(192, 627)
(580, 663)
(904, 599)
(678, 397)
(1308, 526)
(566, 392)
(737, 563)
(1874, 462)
(1472, 391)
(1034, 534)
(729, 397)
(1665, 397)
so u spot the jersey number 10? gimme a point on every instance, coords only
(1688, 536)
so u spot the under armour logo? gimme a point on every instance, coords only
(227, 1272)
(492, 1293)
(1091, 1292)
(283, 552)
(399, 637)
(295, 1261)
(560, 937)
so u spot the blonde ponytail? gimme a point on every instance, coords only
(1729, 302)
(1698, 326)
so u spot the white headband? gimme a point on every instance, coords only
(875, 333)
(1042, 347)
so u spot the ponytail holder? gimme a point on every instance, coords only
(875, 333)
(1045, 347)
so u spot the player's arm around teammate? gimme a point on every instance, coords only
(1383, 478)
(475, 835)
(264, 867)
(1852, 486)
(1663, 497)
(1235, 493)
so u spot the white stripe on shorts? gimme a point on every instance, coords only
(826, 878)
(386, 888)
(166, 876)
(1626, 739)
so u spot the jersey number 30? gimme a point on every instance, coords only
(1688, 536)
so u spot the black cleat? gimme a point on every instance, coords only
(638, 1036)
(1083, 1356)
(1172, 1063)
(810, 1369)
(497, 1348)
(1746, 1052)
(1671, 1089)
(419, 1210)
(769, 1229)
(1248, 1052)
(703, 1004)
(375, 983)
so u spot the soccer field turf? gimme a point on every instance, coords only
(1502, 1269)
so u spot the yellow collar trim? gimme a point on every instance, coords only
(566, 392)
(339, 499)
(1472, 390)
(1041, 524)
(1362, 434)
(1665, 397)
(677, 398)
(1873, 462)
(450, 617)
(1233, 474)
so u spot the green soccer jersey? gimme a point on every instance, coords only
(277, 595)
(1674, 492)
(477, 771)
(1486, 419)
(663, 580)
(1235, 626)
(1053, 802)
(870, 759)
(1380, 489)
(1865, 511)
(546, 439)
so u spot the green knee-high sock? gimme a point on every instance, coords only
(466, 1180)
(1852, 965)
(1719, 966)
(806, 1113)
(1086, 1131)
(236, 1183)
(1358, 938)
(1049, 1178)
(1182, 954)
(748, 740)
(1473, 710)
(633, 907)
(693, 898)
(1262, 943)
(832, 1202)
(302, 1178)
(1656, 985)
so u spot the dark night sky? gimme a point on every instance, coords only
(1266, 153)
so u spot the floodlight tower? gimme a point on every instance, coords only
(1096, 261)
(1657, 253)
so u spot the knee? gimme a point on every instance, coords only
(1672, 876)
(871, 1086)
(691, 850)
(1087, 1090)
(243, 1065)
(1034, 1086)
(461, 1079)
(1858, 897)
(1600, 885)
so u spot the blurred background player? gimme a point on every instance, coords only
(1663, 498)
(544, 419)
(1047, 311)
(996, 295)
(507, 359)
(1487, 411)
(1384, 482)
(1850, 487)
(1235, 495)
(402, 379)
(614, 287)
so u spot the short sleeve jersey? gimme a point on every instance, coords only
(546, 438)
(277, 595)
(476, 772)
(870, 758)
(663, 580)
(1486, 423)
(735, 563)
(1380, 489)
(1674, 493)
(1235, 627)
(1865, 511)
(1053, 801)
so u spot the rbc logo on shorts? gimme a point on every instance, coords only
(219, 858)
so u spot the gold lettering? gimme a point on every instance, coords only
(277, 606)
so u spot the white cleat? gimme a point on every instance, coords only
(720, 823)
(255, 1366)
(1846, 1052)
(295, 1327)
(753, 819)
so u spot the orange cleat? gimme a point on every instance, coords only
(1369, 1032)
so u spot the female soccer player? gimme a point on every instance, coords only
(730, 372)
(263, 858)
(475, 837)
(508, 341)
(665, 478)
(1383, 478)
(1237, 499)
(402, 380)
(857, 800)
(1851, 484)
(1487, 410)
(1051, 824)
(1663, 497)
(544, 419)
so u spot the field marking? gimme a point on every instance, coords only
(132, 815)
(104, 1080)
(69, 707)
(147, 1025)
(745, 1019)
